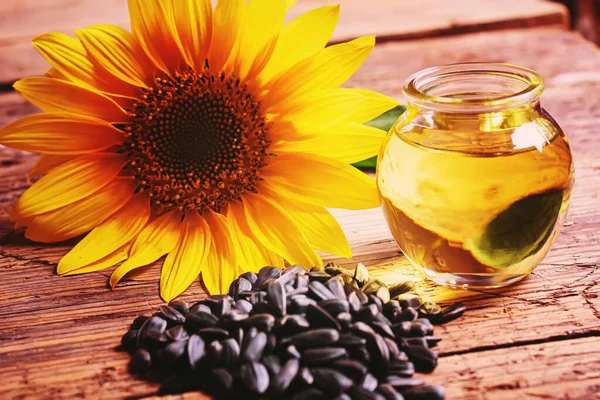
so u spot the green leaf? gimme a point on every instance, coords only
(384, 122)
(519, 231)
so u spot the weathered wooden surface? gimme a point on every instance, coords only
(538, 339)
(20, 21)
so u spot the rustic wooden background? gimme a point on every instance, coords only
(539, 339)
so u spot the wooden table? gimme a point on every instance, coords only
(539, 339)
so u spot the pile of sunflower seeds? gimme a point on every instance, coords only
(294, 334)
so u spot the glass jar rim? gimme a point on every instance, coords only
(532, 81)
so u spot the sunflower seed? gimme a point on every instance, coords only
(388, 391)
(430, 310)
(310, 394)
(403, 383)
(392, 309)
(351, 368)
(377, 301)
(450, 313)
(383, 329)
(336, 286)
(335, 306)
(345, 320)
(421, 327)
(359, 353)
(222, 306)
(342, 396)
(318, 291)
(250, 276)
(369, 382)
(331, 381)
(210, 334)
(271, 343)
(153, 326)
(230, 354)
(319, 318)
(358, 393)
(354, 302)
(409, 300)
(180, 306)
(255, 376)
(284, 378)
(430, 392)
(402, 329)
(361, 274)
(222, 380)
(277, 297)
(315, 337)
(361, 329)
(417, 341)
(200, 306)
(129, 340)
(263, 322)
(372, 286)
(139, 321)
(379, 352)
(402, 368)
(172, 352)
(323, 355)
(395, 353)
(304, 377)
(196, 350)
(294, 270)
(292, 352)
(408, 314)
(232, 319)
(141, 361)
(319, 276)
(423, 359)
(299, 304)
(257, 297)
(199, 319)
(243, 306)
(263, 307)
(156, 339)
(302, 281)
(432, 341)
(253, 347)
(272, 364)
(177, 333)
(292, 324)
(239, 285)
(350, 340)
(265, 274)
(213, 354)
(399, 288)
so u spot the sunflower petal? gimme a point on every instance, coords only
(273, 227)
(185, 262)
(192, 29)
(82, 216)
(58, 96)
(321, 229)
(157, 239)
(47, 162)
(349, 144)
(290, 3)
(113, 233)
(71, 181)
(221, 263)
(150, 22)
(338, 185)
(251, 254)
(263, 21)
(106, 262)
(327, 69)
(301, 38)
(115, 50)
(227, 21)
(68, 56)
(60, 134)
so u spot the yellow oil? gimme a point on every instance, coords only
(475, 201)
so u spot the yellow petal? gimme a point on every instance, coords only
(327, 69)
(251, 254)
(106, 262)
(321, 229)
(60, 134)
(349, 144)
(184, 263)
(300, 38)
(114, 50)
(262, 23)
(192, 29)
(150, 21)
(273, 227)
(71, 181)
(157, 239)
(113, 233)
(47, 162)
(82, 216)
(376, 105)
(290, 3)
(321, 181)
(67, 56)
(221, 263)
(227, 25)
(59, 96)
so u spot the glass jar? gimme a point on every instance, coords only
(475, 177)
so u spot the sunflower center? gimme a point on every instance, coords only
(196, 142)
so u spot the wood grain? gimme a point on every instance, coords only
(537, 339)
(22, 21)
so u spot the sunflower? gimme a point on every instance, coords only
(216, 137)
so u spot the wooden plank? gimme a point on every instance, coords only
(20, 22)
(57, 334)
